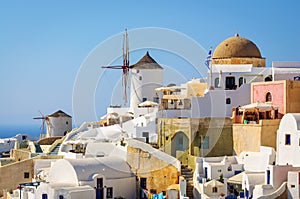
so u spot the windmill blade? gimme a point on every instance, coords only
(43, 126)
(41, 114)
(113, 67)
(38, 118)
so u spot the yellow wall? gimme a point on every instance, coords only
(292, 97)
(249, 137)
(219, 131)
(196, 89)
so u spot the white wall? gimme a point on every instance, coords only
(293, 184)
(213, 103)
(286, 153)
(57, 126)
(174, 113)
(144, 87)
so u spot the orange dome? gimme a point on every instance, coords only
(236, 47)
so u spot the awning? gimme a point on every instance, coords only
(148, 104)
(237, 179)
(214, 183)
(258, 105)
(174, 97)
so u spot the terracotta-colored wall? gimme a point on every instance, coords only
(259, 91)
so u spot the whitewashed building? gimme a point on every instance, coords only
(146, 76)
(288, 136)
(58, 124)
(105, 177)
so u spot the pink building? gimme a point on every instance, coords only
(285, 94)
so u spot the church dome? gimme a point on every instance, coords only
(236, 47)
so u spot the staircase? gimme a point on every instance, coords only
(187, 174)
(55, 150)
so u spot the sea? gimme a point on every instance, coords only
(8, 131)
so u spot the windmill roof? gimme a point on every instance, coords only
(59, 113)
(147, 62)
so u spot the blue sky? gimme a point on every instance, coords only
(44, 43)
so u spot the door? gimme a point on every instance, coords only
(268, 176)
(230, 83)
(205, 172)
(143, 185)
(99, 189)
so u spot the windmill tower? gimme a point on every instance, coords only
(146, 76)
(57, 124)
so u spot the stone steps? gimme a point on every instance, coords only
(187, 174)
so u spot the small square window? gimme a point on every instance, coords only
(228, 101)
(215, 190)
(293, 186)
(26, 174)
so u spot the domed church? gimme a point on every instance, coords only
(238, 50)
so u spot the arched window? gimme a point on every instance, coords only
(217, 81)
(268, 97)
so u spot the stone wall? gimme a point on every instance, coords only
(14, 174)
(158, 173)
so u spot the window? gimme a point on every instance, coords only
(217, 81)
(109, 192)
(219, 170)
(99, 183)
(26, 174)
(146, 135)
(228, 101)
(229, 168)
(268, 97)
(143, 183)
(215, 190)
(24, 137)
(144, 99)
(137, 71)
(44, 196)
(287, 139)
(180, 142)
(241, 81)
(204, 143)
(140, 78)
(156, 99)
(67, 122)
(61, 197)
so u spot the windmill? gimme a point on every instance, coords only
(125, 67)
(44, 119)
